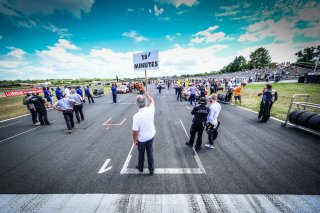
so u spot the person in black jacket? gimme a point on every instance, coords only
(38, 103)
(269, 96)
(200, 113)
(179, 89)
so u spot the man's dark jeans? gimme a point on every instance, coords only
(196, 128)
(42, 115)
(114, 96)
(142, 146)
(90, 99)
(68, 116)
(34, 115)
(78, 111)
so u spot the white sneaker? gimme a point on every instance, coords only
(209, 146)
(36, 124)
(70, 131)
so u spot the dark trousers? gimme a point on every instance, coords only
(196, 128)
(176, 90)
(114, 96)
(179, 96)
(78, 111)
(192, 98)
(159, 90)
(142, 146)
(90, 98)
(42, 115)
(34, 115)
(68, 116)
(264, 112)
(212, 135)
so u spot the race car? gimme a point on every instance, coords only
(123, 89)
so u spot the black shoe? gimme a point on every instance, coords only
(188, 144)
(151, 173)
(262, 121)
(198, 148)
(137, 167)
(78, 121)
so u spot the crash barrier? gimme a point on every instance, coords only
(303, 118)
(313, 78)
(21, 92)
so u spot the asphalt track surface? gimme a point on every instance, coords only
(248, 158)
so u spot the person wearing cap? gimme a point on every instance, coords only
(212, 120)
(193, 91)
(269, 96)
(144, 131)
(65, 105)
(31, 108)
(78, 105)
(200, 113)
(39, 104)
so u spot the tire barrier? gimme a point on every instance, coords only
(293, 118)
(313, 79)
(301, 79)
(314, 123)
(304, 118)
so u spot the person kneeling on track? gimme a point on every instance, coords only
(65, 105)
(212, 121)
(269, 96)
(200, 113)
(78, 105)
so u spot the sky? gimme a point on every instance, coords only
(57, 39)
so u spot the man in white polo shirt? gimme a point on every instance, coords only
(144, 131)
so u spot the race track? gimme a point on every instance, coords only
(249, 159)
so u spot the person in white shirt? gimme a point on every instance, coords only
(212, 120)
(144, 131)
(78, 105)
(65, 105)
(67, 91)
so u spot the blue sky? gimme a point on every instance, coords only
(96, 38)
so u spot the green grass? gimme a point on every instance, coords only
(251, 100)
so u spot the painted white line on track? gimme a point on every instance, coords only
(103, 168)
(160, 203)
(19, 134)
(14, 118)
(126, 163)
(22, 133)
(10, 124)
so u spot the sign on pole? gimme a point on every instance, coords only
(146, 61)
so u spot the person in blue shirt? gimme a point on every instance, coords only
(79, 91)
(47, 95)
(58, 93)
(88, 94)
(114, 93)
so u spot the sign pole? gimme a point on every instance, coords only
(146, 79)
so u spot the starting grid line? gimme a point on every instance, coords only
(199, 170)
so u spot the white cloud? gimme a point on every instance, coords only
(130, 10)
(227, 13)
(31, 7)
(65, 44)
(16, 52)
(172, 37)
(157, 11)
(62, 32)
(133, 34)
(150, 11)
(178, 3)
(208, 36)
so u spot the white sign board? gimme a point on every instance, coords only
(146, 61)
